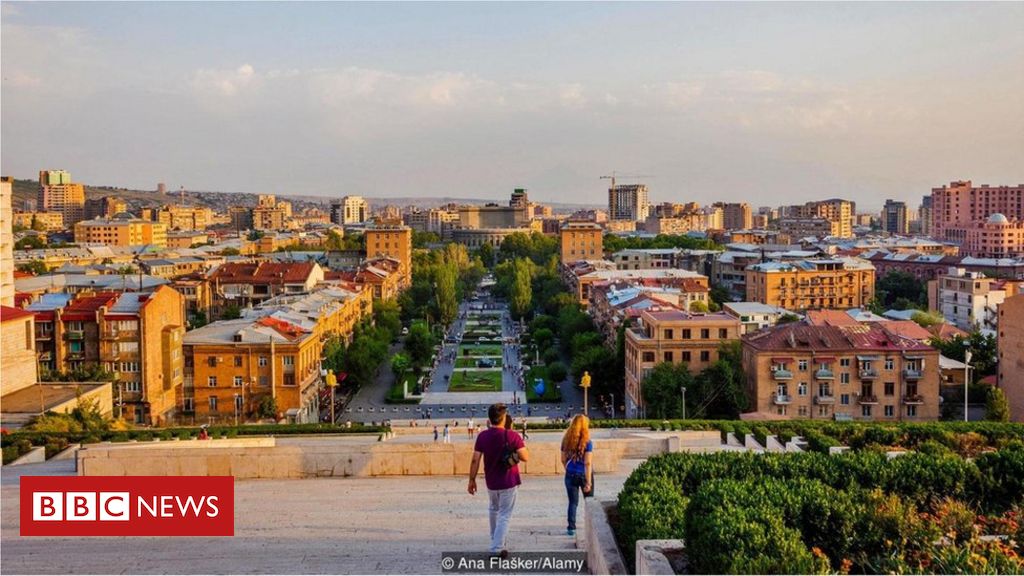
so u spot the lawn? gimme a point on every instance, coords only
(475, 381)
(395, 393)
(551, 391)
(470, 362)
(480, 350)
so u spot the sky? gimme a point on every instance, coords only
(768, 103)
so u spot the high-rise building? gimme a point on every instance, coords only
(519, 198)
(161, 188)
(737, 216)
(6, 242)
(58, 194)
(895, 219)
(392, 240)
(628, 202)
(837, 211)
(105, 207)
(269, 214)
(925, 215)
(960, 206)
(350, 210)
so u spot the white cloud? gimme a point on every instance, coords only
(224, 82)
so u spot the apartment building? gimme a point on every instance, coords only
(997, 237)
(391, 240)
(754, 316)
(245, 369)
(350, 210)
(810, 284)
(970, 300)
(18, 349)
(665, 334)
(270, 213)
(835, 210)
(6, 242)
(858, 372)
(328, 312)
(961, 206)
(381, 276)
(930, 266)
(580, 241)
(628, 202)
(57, 193)
(895, 217)
(617, 303)
(184, 217)
(48, 221)
(122, 230)
(105, 207)
(580, 279)
(1011, 354)
(812, 227)
(244, 284)
(737, 216)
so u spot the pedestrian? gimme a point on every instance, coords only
(447, 435)
(577, 457)
(501, 450)
(525, 435)
(435, 434)
(469, 429)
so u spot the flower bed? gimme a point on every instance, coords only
(475, 381)
(470, 362)
(480, 350)
(814, 513)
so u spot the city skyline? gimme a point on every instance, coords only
(712, 102)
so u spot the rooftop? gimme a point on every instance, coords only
(805, 337)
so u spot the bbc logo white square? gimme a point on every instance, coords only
(81, 506)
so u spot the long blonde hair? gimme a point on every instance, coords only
(574, 442)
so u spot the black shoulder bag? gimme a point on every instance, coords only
(510, 457)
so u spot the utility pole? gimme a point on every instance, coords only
(967, 379)
(683, 389)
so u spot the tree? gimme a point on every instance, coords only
(231, 312)
(698, 306)
(35, 267)
(422, 239)
(543, 338)
(29, 243)
(387, 317)
(996, 407)
(901, 290)
(399, 364)
(267, 407)
(522, 289)
(255, 235)
(984, 351)
(926, 319)
(37, 225)
(486, 254)
(787, 318)
(230, 252)
(719, 294)
(334, 240)
(557, 372)
(719, 390)
(419, 344)
(662, 390)
(199, 320)
(447, 296)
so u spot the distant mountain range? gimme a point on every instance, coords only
(136, 199)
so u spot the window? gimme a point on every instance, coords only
(723, 333)
(686, 334)
(668, 356)
(686, 356)
(802, 365)
(889, 411)
(133, 387)
(705, 333)
(238, 403)
(211, 380)
(844, 362)
(844, 378)
(213, 403)
(844, 399)
(911, 410)
(668, 334)
(890, 388)
(822, 410)
(648, 357)
(889, 363)
(289, 379)
(238, 381)
(188, 404)
(289, 361)
(263, 360)
(264, 381)
(705, 356)
(865, 411)
(802, 411)
(801, 389)
(238, 361)
(211, 361)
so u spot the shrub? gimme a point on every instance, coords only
(557, 372)
(654, 509)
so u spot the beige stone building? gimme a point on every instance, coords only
(1011, 354)
(391, 240)
(666, 334)
(6, 243)
(120, 231)
(581, 241)
(17, 350)
(857, 372)
(811, 284)
(48, 220)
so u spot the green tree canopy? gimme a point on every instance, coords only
(662, 390)
(996, 407)
(419, 344)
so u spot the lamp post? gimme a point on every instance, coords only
(683, 389)
(585, 384)
(332, 382)
(967, 378)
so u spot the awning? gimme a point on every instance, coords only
(782, 359)
(868, 357)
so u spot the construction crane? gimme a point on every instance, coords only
(615, 175)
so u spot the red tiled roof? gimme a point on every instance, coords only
(85, 307)
(806, 337)
(907, 329)
(8, 313)
(262, 272)
(945, 331)
(830, 318)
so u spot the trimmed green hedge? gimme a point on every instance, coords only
(741, 512)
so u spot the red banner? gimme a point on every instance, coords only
(127, 506)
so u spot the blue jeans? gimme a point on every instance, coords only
(501, 506)
(573, 489)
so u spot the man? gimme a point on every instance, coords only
(502, 481)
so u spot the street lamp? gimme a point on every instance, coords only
(967, 378)
(332, 383)
(683, 389)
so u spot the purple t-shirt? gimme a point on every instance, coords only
(491, 443)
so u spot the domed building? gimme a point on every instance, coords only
(996, 237)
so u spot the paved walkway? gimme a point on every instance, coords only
(315, 526)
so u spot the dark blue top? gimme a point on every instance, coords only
(579, 465)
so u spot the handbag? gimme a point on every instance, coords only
(590, 493)
(510, 456)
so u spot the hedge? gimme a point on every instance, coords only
(741, 512)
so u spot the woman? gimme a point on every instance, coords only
(577, 456)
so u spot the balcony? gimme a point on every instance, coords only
(869, 399)
(75, 335)
(120, 335)
(824, 374)
(822, 399)
(913, 399)
(782, 399)
(911, 374)
(782, 374)
(44, 336)
(868, 374)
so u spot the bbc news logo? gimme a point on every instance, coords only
(127, 506)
